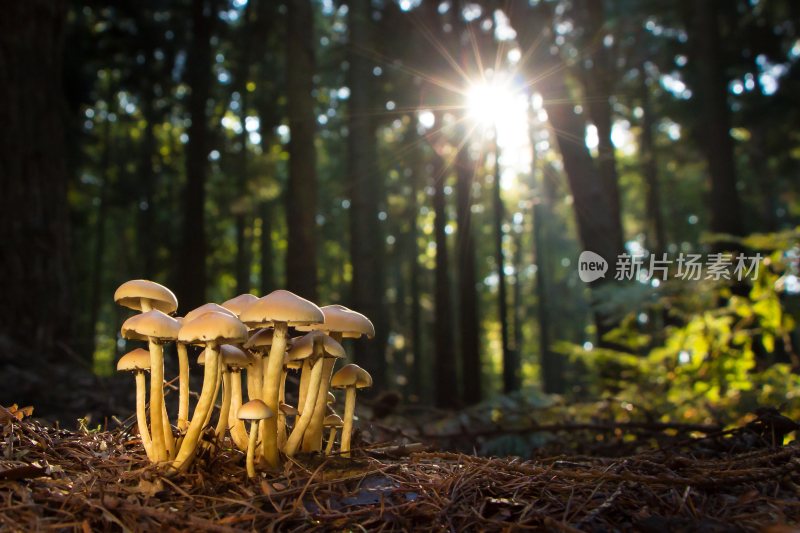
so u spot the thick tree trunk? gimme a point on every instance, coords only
(712, 99)
(467, 293)
(364, 186)
(192, 277)
(33, 182)
(301, 194)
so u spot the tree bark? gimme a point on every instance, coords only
(301, 194)
(467, 292)
(712, 99)
(193, 255)
(367, 244)
(243, 259)
(33, 182)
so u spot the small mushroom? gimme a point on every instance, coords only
(350, 378)
(138, 362)
(254, 410)
(233, 360)
(339, 322)
(279, 309)
(157, 328)
(318, 347)
(332, 421)
(211, 329)
(258, 344)
(144, 295)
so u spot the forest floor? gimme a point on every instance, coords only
(93, 480)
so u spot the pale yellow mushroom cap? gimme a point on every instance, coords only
(331, 397)
(233, 356)
(351, 375)
(130, 293)
(206, 308)
(284, 307)
(254, 410)
(213, 327)
(260, 341)
(333, 420)
(291, 364)
(304, 346)
(339, 318)
(152, 324)
(138, 359)
(288, 410)
(237, 304)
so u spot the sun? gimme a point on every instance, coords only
(497, 107)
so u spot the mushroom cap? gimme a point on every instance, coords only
(331, 397)
(254, 410)
(351, 375)
(282, 306)
(260, 341)
(153, 324)
(333, 420)
(138, 359)
(130, 293)
(291, 364)
(213, 327)
(304, 346)
(288, 410)
(233, 356)
(205, 308)
(237, 304)
(339, 318)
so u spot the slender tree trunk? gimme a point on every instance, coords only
(267, 283)
(33, 182)
(511, 373)
(367, 243)
(650, 170)
(726, 214)
(147, 177)
(193, 255)
(467, 292)
(414, 272)
(243, 261)
(301, 194)
(444, 368)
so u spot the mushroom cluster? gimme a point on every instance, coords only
(245, 337)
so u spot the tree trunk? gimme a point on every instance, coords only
(444, 368)
(467, 293)
(650, 171)
(364, 185)
(33, 182)
(243, 261)
(193, 255)
(712, 99)
(301, 194)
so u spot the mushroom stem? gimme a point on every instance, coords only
(312, 441)
(169, 441)
(254, 381)
(217, 382)
(305, 418)
(141, 413)
(269, 431)
(183, 387)
(157, 400)
(251, 449)
(189, 445)
(349, 412)
(331, 438)
(222, 423)
(301, 395)
(238, 430)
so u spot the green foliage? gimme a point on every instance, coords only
(716, 362)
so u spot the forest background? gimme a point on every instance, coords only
(437, 166)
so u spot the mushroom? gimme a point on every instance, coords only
(288, 364)
(350, 378)
(279, 309)
(211, 329)
(207, 308)
(237, 304)
(259, 344)
(318, 347)
(339, 322)
(233, 360)
(183, 383)
(144, 295)
(332, 421)
(138, 362)
(157, 328)
(254, 410)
